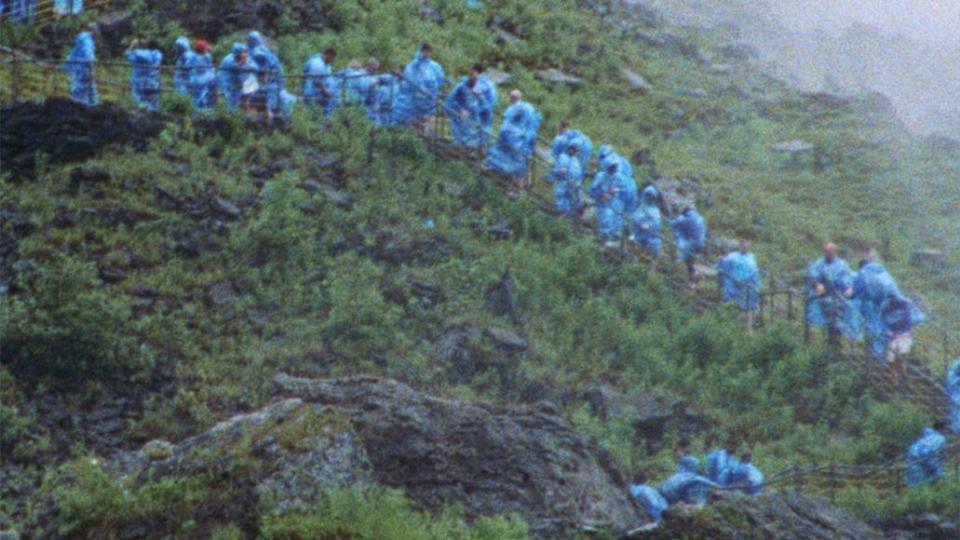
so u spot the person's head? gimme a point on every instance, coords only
(573, 150)
(181, 45)
(515, 95)
(329, 54)
(372, 65)
(203, 46)
(688, 209)
(262, 61)
(940, 425)
(254, 40)
(151, 44)
(474, 74)
(563, 127)
(612, 166)
(239, 52)
(744, 246)
(829, 251)
(639, 478)
(745, 456)
(94, 29)
(425, 51)
(688, 464)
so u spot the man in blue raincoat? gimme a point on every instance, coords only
(606, 153)
(145, 59)
(690, 230)
(648, 497)
(470, 107)
(745, 476)
(510, 155)
(354, 82)
(611, 196)
(567, 137)
(203, 78)
(320, 85)
(182, 70)
(720, 464)
(646, 220)
(272, 95)
(829, 290)
(382, 97)
(567, 179)
(899, 315)
(740, 280)
(686, 484)
(925, 456)
(235, 69)
(423, 78)
(81, 64)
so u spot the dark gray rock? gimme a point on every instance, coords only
(226, 208)
(506, 340)
(734, 516)
(554, 75)
(635, 81)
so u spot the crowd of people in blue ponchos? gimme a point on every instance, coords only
(25, 10)
(846, 303)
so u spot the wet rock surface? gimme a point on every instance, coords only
(320, 434)
(65, 131)
(733, 516)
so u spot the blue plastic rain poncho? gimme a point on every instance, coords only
(567, 179)
(515, 142)
(470, 109)
(871, 288)
(747, 478)
(832, 308)
(145, 76)
(686, 485)
(182, 70)
(925, 457)
(606, 154)
(320, 85)
(232, 74)
(646, 221)
(573, 137)
(273, 81)
(899, 315)
(690, 229)
(354, 84)
(651, 500)
(67, 7)
(203, 81)
(80, 65)
(720, 465)
(611, 192)
(740, 280)
(417, 100)
(382, 97)
(953, 389)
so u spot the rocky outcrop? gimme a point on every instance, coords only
(732, 516)
(321, 434)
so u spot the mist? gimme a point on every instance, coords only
(908, 50)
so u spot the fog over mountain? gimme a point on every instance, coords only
(908, 50)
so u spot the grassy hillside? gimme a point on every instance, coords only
(188, 274)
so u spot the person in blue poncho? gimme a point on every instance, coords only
(320, 86)
(648, 497)
(235, 69)
(610, 191)
(423, 78)
(567, 179)
(745, 476)
(567, 137)
(353, 83)
(953, 390)
(925, 456)
(382, 97)
(899, 315)
(182, 70)
(686, 484)
(145, 59)
(68, 7)
(740, 280)
(829, 290)
(872, 286)
(81, 65)
(606, 153)
(272, 96)
(470, 107)
(646, 221)
(510, 155)
(202, 83)
(720, 464)
(690, 230)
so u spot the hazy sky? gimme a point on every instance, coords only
(933, 21)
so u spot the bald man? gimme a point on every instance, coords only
(830, 288)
